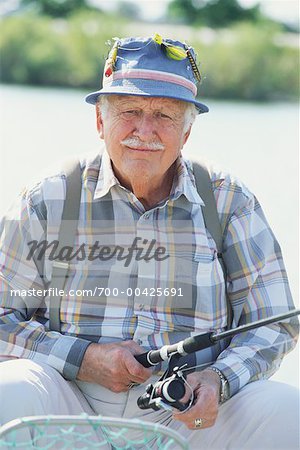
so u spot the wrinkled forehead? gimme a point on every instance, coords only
(143, 102)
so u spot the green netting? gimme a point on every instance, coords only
(87, 432)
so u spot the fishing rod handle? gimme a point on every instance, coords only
(189, 345)
(147, 359)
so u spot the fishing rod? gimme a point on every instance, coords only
(170, 388)
(202, 341)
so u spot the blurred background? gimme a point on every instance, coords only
(246, 49)
(53, 53)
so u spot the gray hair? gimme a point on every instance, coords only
(102, 104)
(189, 114)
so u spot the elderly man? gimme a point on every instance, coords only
(141, 190)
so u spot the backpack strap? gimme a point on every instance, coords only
(212, 221)
(66, 237)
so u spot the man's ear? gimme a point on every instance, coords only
(99, 122)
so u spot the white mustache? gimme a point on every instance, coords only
(136, 143)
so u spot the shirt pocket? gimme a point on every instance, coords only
(203, 308)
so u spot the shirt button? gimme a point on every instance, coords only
(139, 341)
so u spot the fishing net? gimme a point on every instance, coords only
(87, 432)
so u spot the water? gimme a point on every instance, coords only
(256, 142)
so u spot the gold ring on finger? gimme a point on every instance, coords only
(198, 423)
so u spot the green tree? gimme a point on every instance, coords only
(213, 13)
(56, 8)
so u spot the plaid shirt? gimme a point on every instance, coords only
(257, 283)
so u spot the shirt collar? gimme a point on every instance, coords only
(183, 184)
(106, 179)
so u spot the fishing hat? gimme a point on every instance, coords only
(153, 67)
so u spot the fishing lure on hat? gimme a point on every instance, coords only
(111, 60)
(178, 53)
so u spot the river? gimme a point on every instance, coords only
(257, 142)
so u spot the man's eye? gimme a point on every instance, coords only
(130, 112)
(161, 115)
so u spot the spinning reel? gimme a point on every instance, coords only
(167, 392)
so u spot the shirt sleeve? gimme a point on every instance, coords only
(257, 287)
(22, 289)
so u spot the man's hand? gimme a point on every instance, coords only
(113, 365)
(206, 387)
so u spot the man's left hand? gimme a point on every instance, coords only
(206, 387)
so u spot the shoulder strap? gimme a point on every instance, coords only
(211, 220)
(66, 237)
(210, 213)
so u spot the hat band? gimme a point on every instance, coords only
(150, 75)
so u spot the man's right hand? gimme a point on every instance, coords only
(113, 365)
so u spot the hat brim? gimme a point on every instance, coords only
(147, 88)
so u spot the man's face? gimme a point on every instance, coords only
(143, 136)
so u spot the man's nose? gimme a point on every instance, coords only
(145, 127)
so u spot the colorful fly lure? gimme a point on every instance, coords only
(194, 65)
(178, 53)
(110, 62)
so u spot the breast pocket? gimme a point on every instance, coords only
(203, 307)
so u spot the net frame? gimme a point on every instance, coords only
(165, 438)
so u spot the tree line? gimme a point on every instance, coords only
(210, 13)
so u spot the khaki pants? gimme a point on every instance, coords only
(263, 415)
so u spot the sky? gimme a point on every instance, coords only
(283, 10)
